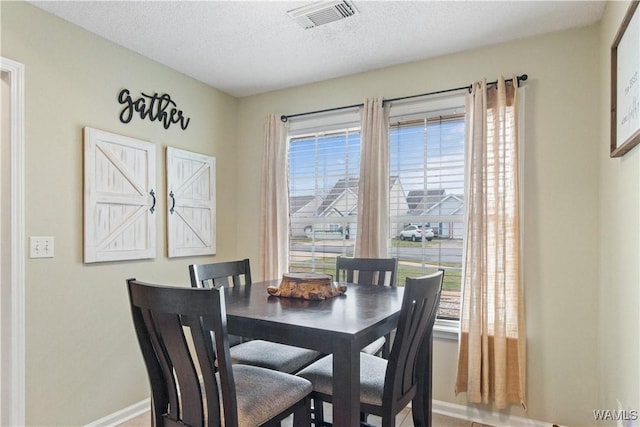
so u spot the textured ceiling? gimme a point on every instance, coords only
(249, 47)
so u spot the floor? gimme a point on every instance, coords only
(403, 420)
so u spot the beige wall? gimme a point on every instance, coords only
(562, 149)
(619, 237)
(82, 360)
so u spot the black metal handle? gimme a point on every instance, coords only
(173, 202)
(153, 207)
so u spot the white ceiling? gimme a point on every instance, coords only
(249, 47)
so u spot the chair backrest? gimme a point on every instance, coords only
(165, 320)
(415, 327)
(369, 271)
(224, 274)
(221, 274)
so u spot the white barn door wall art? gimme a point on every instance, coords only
(119, 197)
(191, 198)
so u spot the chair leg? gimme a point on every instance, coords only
(318, 413)
(389, 420)
(302, 415)
(386, 348)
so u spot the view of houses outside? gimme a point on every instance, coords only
(426, 189)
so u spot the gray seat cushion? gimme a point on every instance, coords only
(271, 355)
(375, 347)
(372, 373)
(264, 393)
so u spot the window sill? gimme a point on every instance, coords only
(446, 329)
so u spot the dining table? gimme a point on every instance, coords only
(341, 325)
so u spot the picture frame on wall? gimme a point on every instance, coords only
(625, 84)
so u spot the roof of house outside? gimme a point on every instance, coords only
(420, 201)
(298, 202)
(342, 185)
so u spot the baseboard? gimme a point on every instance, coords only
(123, 415)
(482, 416)
(463, 412)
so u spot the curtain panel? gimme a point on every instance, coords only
(491, 359)
(274, 212)
(373, 189)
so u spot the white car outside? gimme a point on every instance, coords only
(416, 233)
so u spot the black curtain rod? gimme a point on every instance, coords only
(285, 118)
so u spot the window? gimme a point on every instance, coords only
(323, 198)
(426, 195)
(427, 201)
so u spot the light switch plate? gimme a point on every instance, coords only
(41, 247)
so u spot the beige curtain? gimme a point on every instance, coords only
(491, 359)
(373, 188)
(274, 220)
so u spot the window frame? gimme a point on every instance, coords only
(443, 105)
(346, 123)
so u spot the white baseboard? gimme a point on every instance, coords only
(463, 412)
(482, 416)
(123, 415)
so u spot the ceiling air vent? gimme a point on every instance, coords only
(320, 13)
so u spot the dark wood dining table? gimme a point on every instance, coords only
(340, 326)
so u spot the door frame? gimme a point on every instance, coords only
(14, 380)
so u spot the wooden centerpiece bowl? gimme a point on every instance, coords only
(308, 286)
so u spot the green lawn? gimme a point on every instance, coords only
(397, 243)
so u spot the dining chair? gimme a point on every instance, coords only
(266, 354)
(231, 273)
(369, 271)
(175, 326)
(387, 386)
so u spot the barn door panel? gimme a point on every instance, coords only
(191, 225)
(119, 197)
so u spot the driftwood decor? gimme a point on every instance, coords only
(308, 286)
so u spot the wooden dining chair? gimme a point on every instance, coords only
(387, 386)
(266, 354)
(369, 271)
(186, 386)
(225, 274)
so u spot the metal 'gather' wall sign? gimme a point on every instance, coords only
(156, 107)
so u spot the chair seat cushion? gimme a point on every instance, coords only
(264, 393)
(375, 347)
(372, 373)
(271, 355)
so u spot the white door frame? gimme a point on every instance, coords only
(12, 373)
